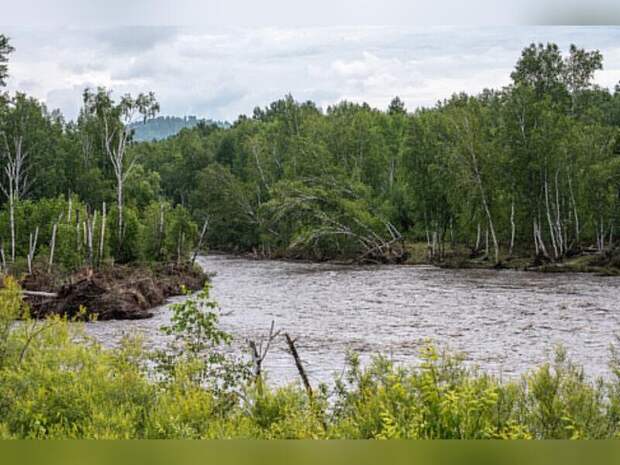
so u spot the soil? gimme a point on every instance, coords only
(117, 292)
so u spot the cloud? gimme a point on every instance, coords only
(223, 72)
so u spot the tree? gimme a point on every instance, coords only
(549, 73)
(5, 50)
(20, 134)
(114, 120)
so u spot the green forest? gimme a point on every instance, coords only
(530, 170)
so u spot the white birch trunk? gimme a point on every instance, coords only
(548, 211)
(52, 247)
(201, 239)
(575, 214)
(32, 246)
(12, 225)
(558, 217)
(512, 228)
(486, 243)
(102, 235)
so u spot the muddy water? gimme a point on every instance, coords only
(503, 321)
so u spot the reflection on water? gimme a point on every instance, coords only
(503, 321)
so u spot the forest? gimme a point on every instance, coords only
(530, 170)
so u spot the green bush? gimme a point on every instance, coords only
(129, 246)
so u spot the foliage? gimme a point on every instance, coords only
(129, 248)
(198, 346)
(533, 166)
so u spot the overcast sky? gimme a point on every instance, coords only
(221, 72)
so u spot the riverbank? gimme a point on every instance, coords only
(606, 264)
(416, 253)
(113, 292)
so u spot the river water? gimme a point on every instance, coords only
(502, 321)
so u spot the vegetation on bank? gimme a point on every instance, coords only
(530, 170)
(55, 382)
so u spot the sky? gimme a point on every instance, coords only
(220, 72)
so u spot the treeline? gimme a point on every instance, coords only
(532, 169)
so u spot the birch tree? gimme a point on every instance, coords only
(114, 120)
(473, 149)
(19, 138)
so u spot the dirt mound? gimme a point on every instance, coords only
(113, 293)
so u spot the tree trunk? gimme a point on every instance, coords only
(558, 217)
(12, 223)
(485, 203)
(299, 365)
(548, 211)
(3, 258)
(201, 239)
(102, 235)
(486, 243)
(512, 228)
(32, 246)
(119, 200)
(77, 231)
(160, 235)
(572, 196)
(52, 248)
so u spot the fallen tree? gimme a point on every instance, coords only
(327, 218)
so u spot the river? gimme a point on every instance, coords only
(502, 321)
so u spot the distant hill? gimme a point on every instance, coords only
(162, 127)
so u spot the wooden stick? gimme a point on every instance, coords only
(300, 367)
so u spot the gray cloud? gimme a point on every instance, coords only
(127, 40)
(222, 72)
